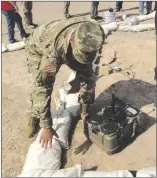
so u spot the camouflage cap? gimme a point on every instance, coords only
(88, 39)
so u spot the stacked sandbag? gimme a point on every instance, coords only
(146, 17)
(13, 47)
(39, 159)
(69, 172)
(137, 28)
(111, 26)
(69, 100)
(131, 21)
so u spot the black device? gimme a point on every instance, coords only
(115, 125)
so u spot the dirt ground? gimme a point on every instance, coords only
(136, 49)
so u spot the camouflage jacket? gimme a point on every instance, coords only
(51, 41)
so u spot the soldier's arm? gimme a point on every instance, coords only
(87, 90)
(48, 69)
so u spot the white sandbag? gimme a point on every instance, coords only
(131, 21)
(124, 28)
(143, 27)
(137, 28)
(147, 172)
(70, 101)
(41, 158)
(146, 17)
(106, 31)
(71, 76)
(122, 173)
(111, 26)
(62, 124)
(109, 17)
(69, 172)
(72, 105)
(4, 48)
(16, 46)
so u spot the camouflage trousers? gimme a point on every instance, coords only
(66, 8)
(94, 8)
(27, 12)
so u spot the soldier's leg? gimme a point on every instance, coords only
(117, 6)
(149, 7)
(141, 7)
(96, 7)
(10, 18)
(66, 9)
(93, 10)
(27, 14)
(121, 4)
(87, 96)
(30, 15)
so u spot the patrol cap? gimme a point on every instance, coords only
(88, 38)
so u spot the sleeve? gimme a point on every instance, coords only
(43, 88)
(87, 88)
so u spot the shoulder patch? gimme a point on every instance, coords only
(50, 69)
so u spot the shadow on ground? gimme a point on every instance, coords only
(138, 93)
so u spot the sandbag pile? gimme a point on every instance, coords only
(130, 24)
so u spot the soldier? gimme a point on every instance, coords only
(66, 9)
(27, 15)
(73, 42)
(94, 10)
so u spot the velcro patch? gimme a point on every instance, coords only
(50, 69)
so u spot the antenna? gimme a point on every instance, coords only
(113, 98)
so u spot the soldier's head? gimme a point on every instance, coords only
(86, 41)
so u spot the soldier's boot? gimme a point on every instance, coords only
(32, 127)
(35, 25)
(31, 21)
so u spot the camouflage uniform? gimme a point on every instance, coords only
(48, 48)
(66, 9)
(27, 14)
(94, 9)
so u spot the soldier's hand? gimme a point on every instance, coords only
(46, 137)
